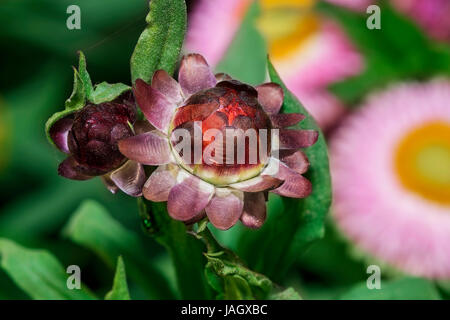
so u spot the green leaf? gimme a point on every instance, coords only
(119, 290)
(228, 275)
(245, 59)
(84, 75)
(185, 250)
(399, 289)
(92, 227)
(78, 96)
(288, 294)
(38, 273)
(104, 92)
(160, 43)
(397, 51)
(292, 223)
(82, 87)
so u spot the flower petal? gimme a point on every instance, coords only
(283, 120)
(129, 178)
(189, 197)
(294, 185)
(195, 74)
(270, 96)
(297, 161)
(222, 77)
(156, 107)
(295, 139)
(197, 218)
(142, 126)
(255, 211)
(158, 186)
(257, 184)
(109, 184)
(225, 208)
(59, 132)
(71, 169)
(168, 86)
(148, 148)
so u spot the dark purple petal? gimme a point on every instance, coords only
(297, 161)
(158, 186)
(197, 218)
(224, 210)
(270, 97)
(168, 86)
(257, 184)
(254, 213)
(142, 126)
(71, 169)
(148, 148)
(59, 132)
(295, 139)
(195, 74)
(294, 185)
(109, 184)
(189, 197)
(283, 120)
(156, 107)
(130, 178)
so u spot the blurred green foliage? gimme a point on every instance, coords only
(39, 209)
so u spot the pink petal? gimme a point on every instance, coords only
(129, 178)
(297, 161)
(109, 184)
(195, 74)
(255, 211)
(222, 77)
(156, 107)
(147, 148)
(168, 86)
(283, 120)
(295, 139)
(189, 197)
(294, 185)
(70, 169)
(158, 186)
(270, 96)
(257, 184)
(59, 132)
(224, 210)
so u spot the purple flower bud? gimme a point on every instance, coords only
(90, 137)
(94, 135)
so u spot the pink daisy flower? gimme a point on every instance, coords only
(309, 51)
(212, 182)
(390, 165)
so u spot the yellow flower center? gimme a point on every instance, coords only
(422, 161)
(286, 25)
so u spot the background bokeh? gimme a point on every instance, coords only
(37, 52)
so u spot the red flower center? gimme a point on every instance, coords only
(228, 133)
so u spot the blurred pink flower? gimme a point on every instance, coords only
(390, 165)
(431, 15)
(309, 51)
